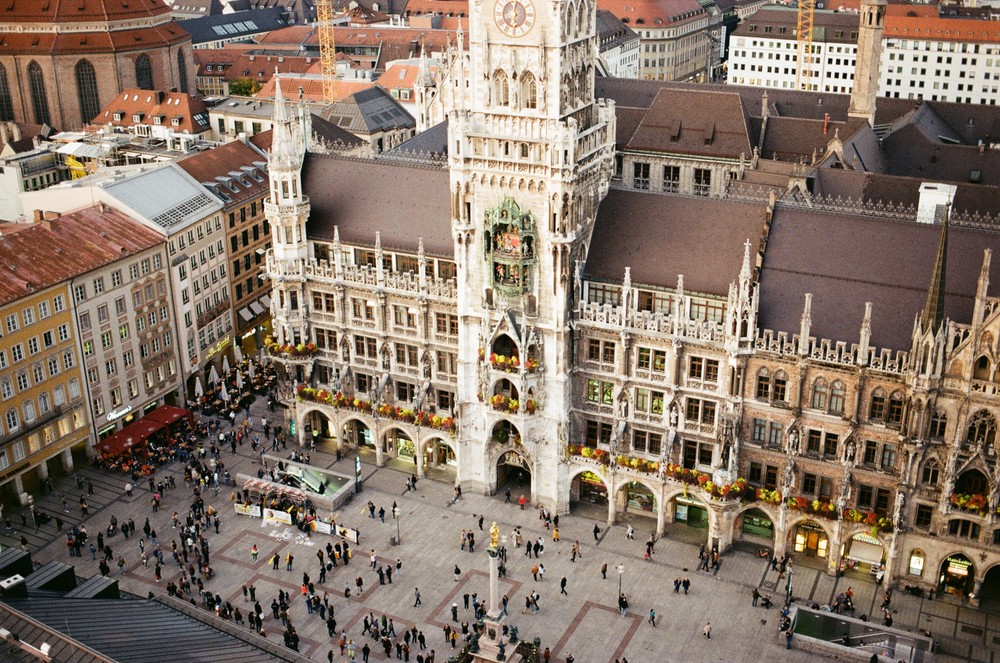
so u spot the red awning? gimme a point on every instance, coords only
(143, 428)
(118, 443)
(168, 414)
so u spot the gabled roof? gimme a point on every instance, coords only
(431, 142)
(239, 25)
(845, 260)
(262, 67)
(707, 123)
(181, 112)
(402, 74)
(310, 87)
(660, 236)
(39, 255)
(402, 202)
(646, 14)
(368, 112)
(236, 170)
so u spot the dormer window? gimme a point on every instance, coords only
(118, 116)
(176, 122)
(158, 119)
(137, 117)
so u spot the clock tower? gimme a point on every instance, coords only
(531, 156)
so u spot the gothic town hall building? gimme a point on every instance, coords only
(759, 319)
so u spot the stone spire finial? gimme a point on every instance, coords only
(933, 312)
(805, 324)
(866, 335)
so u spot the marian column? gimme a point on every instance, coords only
(493, 645)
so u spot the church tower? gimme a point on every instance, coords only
(868, 63)
(531, 157)
(287, 211)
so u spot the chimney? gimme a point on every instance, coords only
(38, 215)
(243, 137)
(159, 96)
(932, 196)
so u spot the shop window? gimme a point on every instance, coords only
(916, 565)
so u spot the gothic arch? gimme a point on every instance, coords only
(6, 102)
(144, 72)
(982, 428)
(39, 99)
(790, 525)
(86, 91)
(501, 88)
(576, 470)
(529, 90)
(982, 369)
(654, 489)
(437, 437)
(182, 71)
(759, 506)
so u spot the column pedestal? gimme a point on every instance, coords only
(493, 646)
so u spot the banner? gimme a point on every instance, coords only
(248, 510)
(352, 535)
(277, 516)
(321, 527)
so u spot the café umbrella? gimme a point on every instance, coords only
(238, 354)
(239, 379)
(213, 375)
(225, 365)
(199, 390)
(223, 394)
(250, 370)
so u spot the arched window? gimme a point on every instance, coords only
(182, 71)
(44, 404)
(29, 411)
(982, 428)
(779, 386)
(13, 421)
(39, 101)
(894, 416)
(820, 394)
(6, 104)
(529, 91)
(86, 91)
(939, 424)
(930, 473)
(763, 384)
(837, 397)
(982, 369)
(876, 409)
(500, 88)
(143, 72)
(59, 395)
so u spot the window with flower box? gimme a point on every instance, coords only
(646, 442)
(598, 432)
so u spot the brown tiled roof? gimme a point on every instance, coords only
(845, 261)
(262, 141)
(402, 75)
(220, 161)
(910, 153)
(329, 133)
(261, 67)
(452, 7)
(660, 236)
(707, 123)
(402, 202)
(789, 137)
(220, 59)
(117, 41)
(941, 29)
(149, 103)
(312, 88)
(37, 256)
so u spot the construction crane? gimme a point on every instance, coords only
(327, 49)
(804, 43)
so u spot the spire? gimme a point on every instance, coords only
(933, 313)
(424, 76)
(805, 324)
(866, 335)
(746, 271)
(280, 111)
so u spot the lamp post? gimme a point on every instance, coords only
(395, 516)
(621, 571)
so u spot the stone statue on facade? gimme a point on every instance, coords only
(897, 514)
(793, 440)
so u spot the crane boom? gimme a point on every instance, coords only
(804, 43)
(327, 49)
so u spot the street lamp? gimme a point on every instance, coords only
(621, 571)
(395, 516)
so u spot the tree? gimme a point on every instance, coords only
(244, 87)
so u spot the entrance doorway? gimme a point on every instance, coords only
(811, 540)
(957, 575)
(989, 593)
(755, 524)
(513, 472)
(356, 434)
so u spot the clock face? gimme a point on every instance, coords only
(514, 18)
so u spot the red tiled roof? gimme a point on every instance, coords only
(149, 103)
(402, 75)
(80, 11)
(139, 39)
(40, 255)
(446, 7)
(261, 67)
(652, 13)
(312, 88)
(941, 29)
(293, 34)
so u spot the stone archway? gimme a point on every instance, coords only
(956, 575)
(588, 493)
(687, 516)
(397, 443)
(316, 426)
(989, 591)
(755, 527)
(513, 469)
(809, 538)
(437, 458)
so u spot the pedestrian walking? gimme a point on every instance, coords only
(707, 630)
(652, 617)
(756, 597)
(630, 533)
(562, 586)
(604, 571)
(416, 597)
(597, 532)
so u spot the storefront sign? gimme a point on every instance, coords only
(958, 566)
(251, 510)
(681, 512)
(217, 348)
(271, 515)
(150, 406)
(250, 333)
(118, 414)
